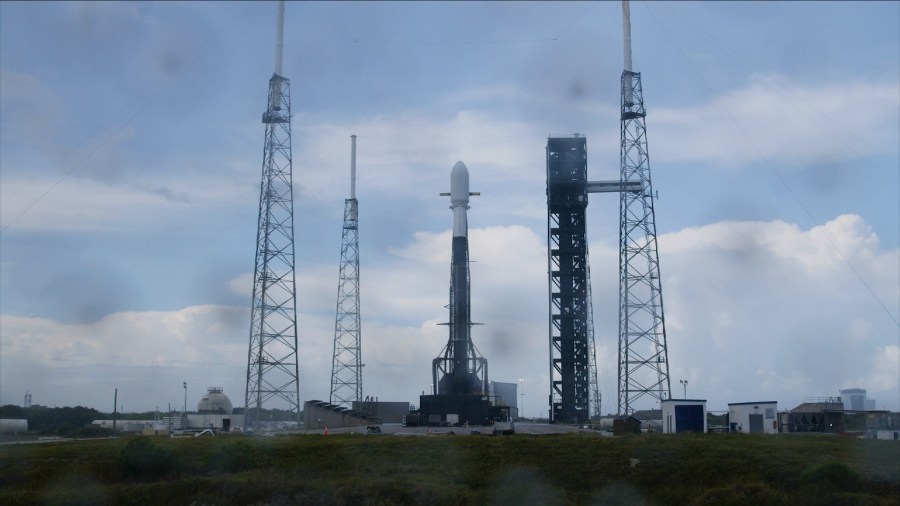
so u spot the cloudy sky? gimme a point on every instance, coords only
(131, 154)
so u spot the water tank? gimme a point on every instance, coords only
(215, 402)
(13, 426)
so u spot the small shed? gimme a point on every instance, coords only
(753, 417)
(683, 415)
(626, 425)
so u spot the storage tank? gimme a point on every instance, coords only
(13, 426)
(215, 402)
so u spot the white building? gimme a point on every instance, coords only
(856, 399)
(683, 415)
(753, 417)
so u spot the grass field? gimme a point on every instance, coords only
(447, 469)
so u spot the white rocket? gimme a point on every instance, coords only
(459, 380)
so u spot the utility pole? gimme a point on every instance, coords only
(184, 410)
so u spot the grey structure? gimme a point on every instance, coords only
(382, 411)
(505, 394)
(346, 369)
(272, 366)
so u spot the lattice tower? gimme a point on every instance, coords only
(272, 365)
(346, 368)
(643, 357)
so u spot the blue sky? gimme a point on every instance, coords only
(130, 152)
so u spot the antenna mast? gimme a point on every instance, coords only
(272, 364)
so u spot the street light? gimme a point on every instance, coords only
(184, 410)
(522, 396)
(684, 384)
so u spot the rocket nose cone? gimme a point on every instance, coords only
(459, 184)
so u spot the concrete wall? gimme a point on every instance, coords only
(318, 415)
(131, 425)
(383, 411)
(214, 421)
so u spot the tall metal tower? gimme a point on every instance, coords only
(272, 366)
(346, 368)
(574, 392)
(568, 279)
(643, 358)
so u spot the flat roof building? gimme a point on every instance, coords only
(683, 415)
(758, 417)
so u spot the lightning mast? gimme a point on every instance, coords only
(272, 365)
(346, 369)
(643, 357)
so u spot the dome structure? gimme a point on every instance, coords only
(215, 402)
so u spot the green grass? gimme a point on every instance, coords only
(515, 470)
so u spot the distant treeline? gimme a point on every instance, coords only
(67, 421)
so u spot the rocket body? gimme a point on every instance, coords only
(460, 296)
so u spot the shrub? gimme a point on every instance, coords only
(141, 458)
(830, 478)
(232, 457)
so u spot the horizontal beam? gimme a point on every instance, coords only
(614, 186)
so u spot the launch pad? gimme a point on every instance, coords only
(458, 409)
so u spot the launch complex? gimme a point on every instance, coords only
(459, 374)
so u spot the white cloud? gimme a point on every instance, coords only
(739, 299)
(192, 336)
(77, 205)
(884, 374)
(31, 110)
(770, 309)
(785, 122)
